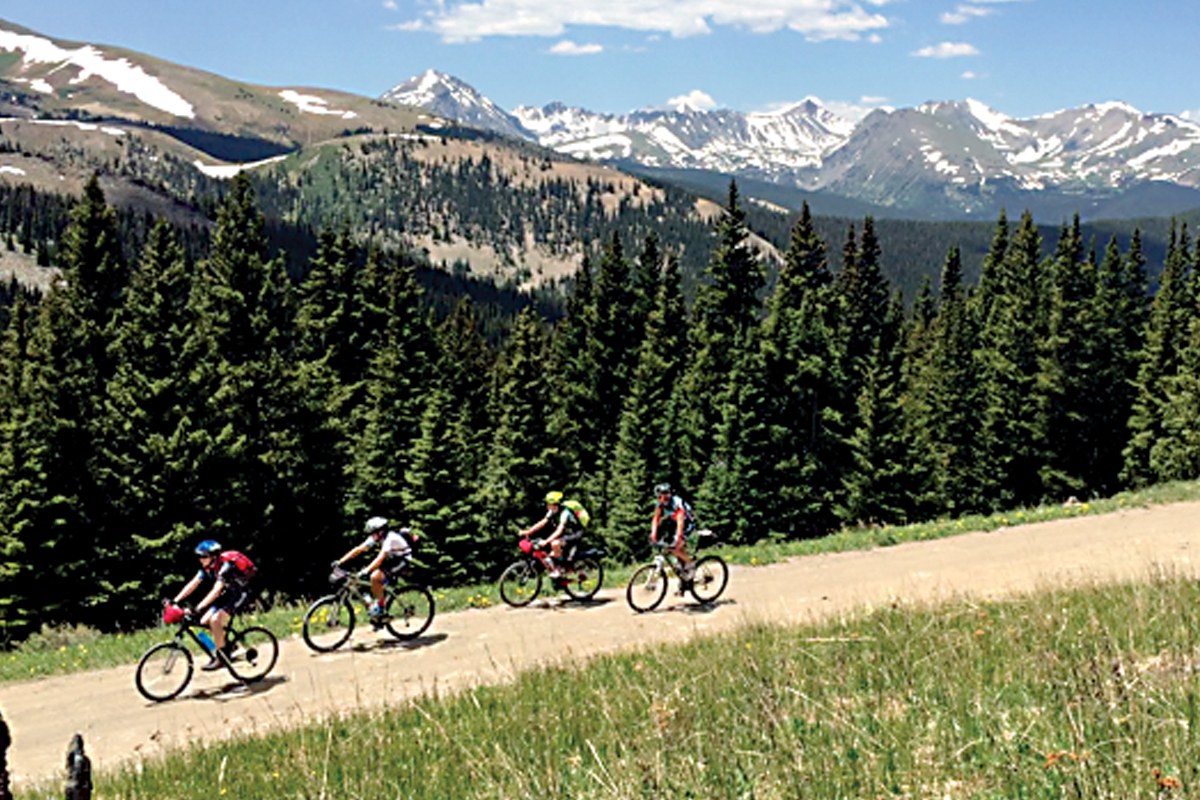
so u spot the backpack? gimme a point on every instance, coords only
(243, 563)
(576, 508)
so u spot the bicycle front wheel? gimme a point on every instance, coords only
(585, 579)
(646, 588)
(255, 655)
(328, 623)
(164, 671)
(520, 584)
(409, 611)
(709, 579)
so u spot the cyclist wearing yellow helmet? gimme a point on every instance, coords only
(571, 519)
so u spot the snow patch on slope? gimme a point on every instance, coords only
(311, 104)
(127, 77)
(227, 171)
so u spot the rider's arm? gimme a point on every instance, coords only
(211, 597)
(558, 532)
(187, 589)
(376, 562)
(680, 519)
(535, 527)
(352, 553)
(654, 523)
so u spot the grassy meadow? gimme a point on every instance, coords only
(1083, 693)
(64, 650)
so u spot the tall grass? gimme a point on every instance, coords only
(74, 649)
(1086, 693)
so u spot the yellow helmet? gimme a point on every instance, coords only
(554, 498)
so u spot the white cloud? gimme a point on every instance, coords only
(965, 13)
(694, 99)
(568, 48)
(947, 50)
(816, 20)
(1191, 116)
(390, 5)
(969, 76)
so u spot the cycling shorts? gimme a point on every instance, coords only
(233, 598)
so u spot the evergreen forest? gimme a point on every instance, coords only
(178, 385)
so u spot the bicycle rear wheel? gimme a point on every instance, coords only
(164, 671)
(520, 584)
(646, 588)
(585, 579)
(409, 611)
(709, 579)
(328, 623)
(255, 655)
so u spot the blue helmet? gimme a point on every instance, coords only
(208, 548)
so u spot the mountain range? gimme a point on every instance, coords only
(941, 160)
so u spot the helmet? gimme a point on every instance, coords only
(663, 488)
(208, 548)
(554, 498)
(375, 525)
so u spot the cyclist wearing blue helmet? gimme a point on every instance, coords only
(230, 572)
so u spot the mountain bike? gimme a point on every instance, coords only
(706, 580)
(582, 575)
(166, 669)
(329, 622)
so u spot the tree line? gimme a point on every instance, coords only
(150, 402)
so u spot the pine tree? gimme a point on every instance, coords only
(20, 484)
(1013, 320)
(644, 453)
(801, 370)
(944, 397)
(881, 477)
(1158, 363)
(727, 306)
(397, 381)
(735, 497)
(520, 469)
(146, 462)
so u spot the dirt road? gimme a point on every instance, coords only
(490, 645)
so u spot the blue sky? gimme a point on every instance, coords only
(1021, 57)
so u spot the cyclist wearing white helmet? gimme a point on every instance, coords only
(392, 560)
(230, 572)
(571, 519)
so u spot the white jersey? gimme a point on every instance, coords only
(393, 545)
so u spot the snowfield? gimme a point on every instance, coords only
(127, 77)
(311, 104)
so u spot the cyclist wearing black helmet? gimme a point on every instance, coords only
(671, 507)
(230, 572)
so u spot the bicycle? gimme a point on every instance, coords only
(521, 582)
(166, 669)
(648, 585)
(329, 622)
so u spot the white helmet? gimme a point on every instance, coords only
(375, 525)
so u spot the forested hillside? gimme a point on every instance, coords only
(148, 401)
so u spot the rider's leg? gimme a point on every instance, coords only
(217, 624)
(555, 554)
(377, 579)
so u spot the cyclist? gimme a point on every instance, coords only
(230, 572)
(672, 507)
(392, 560)
(570, 520)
